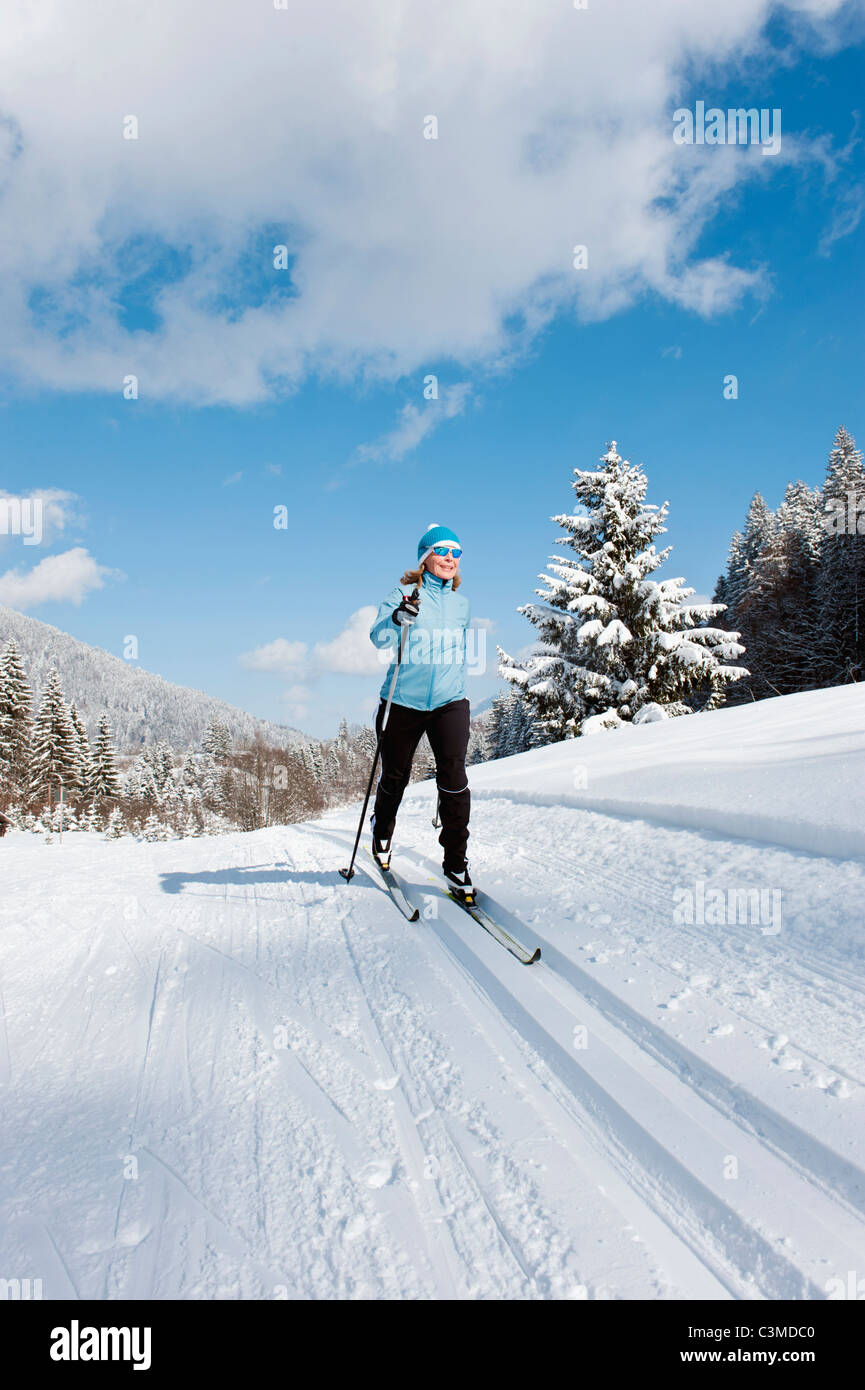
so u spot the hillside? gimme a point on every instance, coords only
(143, 708)
(319, 1100)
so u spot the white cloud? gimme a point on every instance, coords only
(846, 216)
(554, 129)
(488, 624)
(415, 423)
(278, 655)
(350, 653)
(232, 478)
(66, 578)
(56, 511)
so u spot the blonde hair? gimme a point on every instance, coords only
(415, 577)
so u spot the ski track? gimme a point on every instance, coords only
(305, 1124)
(651, 891)
(695, 1206)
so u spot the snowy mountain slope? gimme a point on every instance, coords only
(143, 708)
(788, 771)
(227, 1073)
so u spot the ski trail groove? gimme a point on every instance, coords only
(138, 1090)
(667, 1179)
(443, 1256)
(805, 1153)
(711, 1276)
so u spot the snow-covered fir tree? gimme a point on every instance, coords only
(510, 726)
(163, 762)
(316, 751)
(140, 783)
(365, 746)
(62, 818)
(85, 754)
(104, 782)
(795, 583)
(188, 778)
(777, 611)
(217, 741)
(744, 550)
(424, 766)
(615, 640)
(155, 828)
(215, 782)
(347, 751)
(16, 725)
(55, 753)
(841, 596)
(94, 819)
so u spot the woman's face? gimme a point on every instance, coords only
(442, 566)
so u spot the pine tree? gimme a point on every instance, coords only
(55, 750)
(795, 583)
(496, 725)
(140, 782)
(104, 782)
(85, 755)
(217, 741)
(365, 746)
(424, 765)
(616, 641)
(317, 751)
(215, 785)
(778, 612)
(510, 727)
(155, 828)
(16, 724)
(841, 596)
(744, 549)
(95, 818)
(63, 818)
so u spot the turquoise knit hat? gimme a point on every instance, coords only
(435, 535)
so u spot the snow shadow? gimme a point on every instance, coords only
(247, 875)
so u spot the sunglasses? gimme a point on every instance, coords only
(447, 550)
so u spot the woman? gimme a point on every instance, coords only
(429, 697)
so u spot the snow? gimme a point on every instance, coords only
(788, 771)
(226, 1073)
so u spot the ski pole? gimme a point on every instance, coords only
(349, 872)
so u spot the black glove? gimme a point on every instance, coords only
(406, 612)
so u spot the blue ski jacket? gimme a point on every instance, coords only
(432, 671)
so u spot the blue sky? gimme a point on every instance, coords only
(304, 387)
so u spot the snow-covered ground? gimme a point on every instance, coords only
(226, 1073)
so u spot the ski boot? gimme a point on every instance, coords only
(380, 848)
(459, 883)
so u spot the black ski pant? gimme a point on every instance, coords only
(447, 729)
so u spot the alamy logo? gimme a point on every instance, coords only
(853, 1288)
(20, 1289)
(441, 646)
(718, 907)
(845, 516)
(737, 126)
(22, 516)
(75, 1343)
